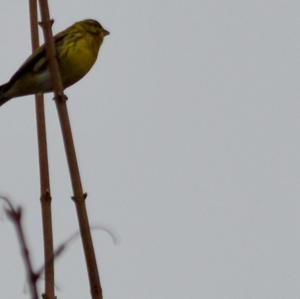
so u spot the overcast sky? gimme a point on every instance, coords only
(187, 131)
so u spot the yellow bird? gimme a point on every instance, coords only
(77, 49)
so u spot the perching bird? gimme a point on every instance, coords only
(77, 49)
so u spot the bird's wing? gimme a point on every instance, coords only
(37, 61)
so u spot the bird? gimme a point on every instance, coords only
(77, 49)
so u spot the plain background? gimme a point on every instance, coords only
(187, 131)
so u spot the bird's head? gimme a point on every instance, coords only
(93, 27)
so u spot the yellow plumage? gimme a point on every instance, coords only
(77, 49)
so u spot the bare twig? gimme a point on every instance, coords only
(79, 196)
(64, 245)
(49, 291)
(15, 215)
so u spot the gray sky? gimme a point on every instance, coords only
(187, 132)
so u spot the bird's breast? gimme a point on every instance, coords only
(78, 61)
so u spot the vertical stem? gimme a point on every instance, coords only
(49, 292)
(16, 216)
(79, 196)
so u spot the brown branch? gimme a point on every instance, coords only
(79, 196)
(64, 245)
(49, 292)
(15, 215)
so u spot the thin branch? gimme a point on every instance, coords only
(79, 196)
(49, 292)
(64, 245)
(15, 215)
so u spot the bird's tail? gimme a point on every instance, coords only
(3, 97)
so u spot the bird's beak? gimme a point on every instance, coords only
(105, 32)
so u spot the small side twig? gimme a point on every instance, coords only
(65, 244)
(15, 215)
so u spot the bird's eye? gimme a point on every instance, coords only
(93, 30)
